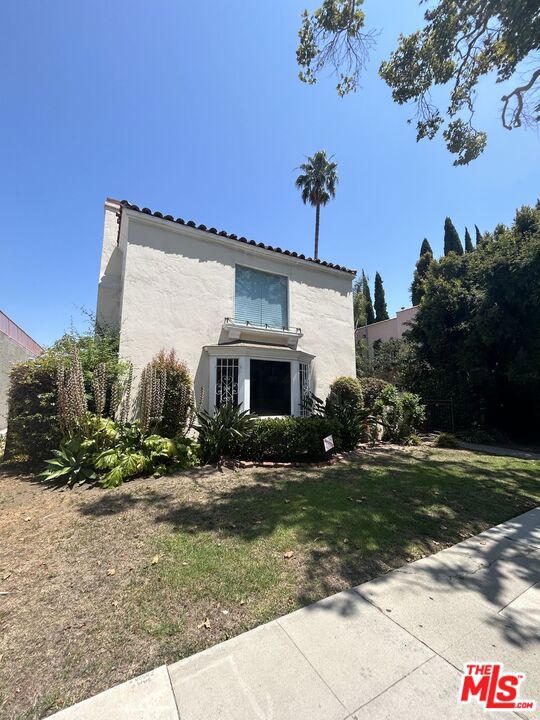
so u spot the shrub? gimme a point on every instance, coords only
(178, 393)
(291, 439)
(221, 434)
(33, 428)
(345, 404)
(372, 387)
(447, 440)
(102, 450)
(345, 391)
(401, 413)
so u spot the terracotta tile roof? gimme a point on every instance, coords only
(232, 236)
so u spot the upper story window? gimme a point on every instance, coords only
(261, 298)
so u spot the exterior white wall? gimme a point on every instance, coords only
(11, 353)
(176, 286)
(391, 329)
(109, 287)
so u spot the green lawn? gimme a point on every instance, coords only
(201, 557)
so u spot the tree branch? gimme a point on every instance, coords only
(515, 117)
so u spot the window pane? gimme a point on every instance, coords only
(270, 387)
(226, 381)
(260, 298)
(305, 389)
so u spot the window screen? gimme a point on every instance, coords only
(261, 298)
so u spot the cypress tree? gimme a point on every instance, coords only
(381, 313)
(425, 247)
(469, 247)
(478, 236)
(452, 243)
(422, 266)
(370, 315)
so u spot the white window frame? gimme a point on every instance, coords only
(244, 355)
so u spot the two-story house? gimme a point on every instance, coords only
(256, 324)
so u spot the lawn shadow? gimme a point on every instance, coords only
(351, 522)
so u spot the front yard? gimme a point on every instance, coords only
(98, 586)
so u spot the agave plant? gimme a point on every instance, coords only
(72, 463)
(220, 434)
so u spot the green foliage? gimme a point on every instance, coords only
(461, 42)
(452, 243)
(178, 394)
(221, 434)
(476, 337)
(425, 248)
(72, 464)
(332, 36)
(290, 439)
(94, 349)
(478, 236)
(317, 183)
(134, 454)
(469, 247)
(33, 428)
(33, 425)
(401, 413)
(108, 452)
(370, 314)
(359, 304)
(388, 359)
(422, 268)
(346, 390)
(447, 440)
(381, 312)
(345, 404)
(371, 389)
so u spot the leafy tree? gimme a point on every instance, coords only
(452, 243)
(333, 36)
(478, 236)
(370, 315)
(469, 247)
(381, 313)
(422, 267)
(318, 185)
(425, 247)
(359, 304)
(461, 42)
(476, 336)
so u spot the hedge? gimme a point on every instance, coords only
(290, 439)
(33, 429)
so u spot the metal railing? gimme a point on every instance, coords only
(13, 331)
(265, 326)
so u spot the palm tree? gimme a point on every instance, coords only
(318, 185)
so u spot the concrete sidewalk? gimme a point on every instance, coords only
(392, 648)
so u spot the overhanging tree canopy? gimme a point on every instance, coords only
(461, 42)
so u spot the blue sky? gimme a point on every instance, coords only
(195, 109)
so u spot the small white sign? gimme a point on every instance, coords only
(328, 443)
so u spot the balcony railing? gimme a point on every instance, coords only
(255, 326)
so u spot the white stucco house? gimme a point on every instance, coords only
(257, 325)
